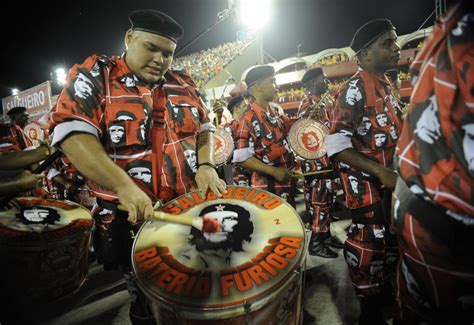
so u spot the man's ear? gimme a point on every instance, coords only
(366, 55)
(128, 37)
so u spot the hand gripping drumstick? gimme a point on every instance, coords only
(204, 224)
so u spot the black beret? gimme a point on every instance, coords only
(369, 32)
(16, 110)
(258, 73)
(312, 74)
(234, 101)
(156, 22)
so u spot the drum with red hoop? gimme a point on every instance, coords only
(307, 138)
(248, 272)
(224, 146)
(44, 246)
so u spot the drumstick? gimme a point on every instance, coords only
(313, 173)
(204, 224)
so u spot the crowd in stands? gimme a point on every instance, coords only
(204, 65)
(290, 95)
(332, 59)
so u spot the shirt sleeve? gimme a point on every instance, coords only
(243, 148)
(79, 106)
(347, 114)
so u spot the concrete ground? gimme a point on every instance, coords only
(103, 299)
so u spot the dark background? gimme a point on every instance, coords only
(45, 35)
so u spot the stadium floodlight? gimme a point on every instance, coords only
(60, 76)
(15, 91)
(255, 13)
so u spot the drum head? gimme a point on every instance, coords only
(259, 245)
(33, 217)
(307, 138)
(224, 146)
(34, 132)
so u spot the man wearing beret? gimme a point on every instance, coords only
(366, 108)
(17, 140)
(434, 206)
(95, 97)
(262, 146)
(318, 191)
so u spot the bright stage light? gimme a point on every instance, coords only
(60, 76)
(255, 13)
(15, 91)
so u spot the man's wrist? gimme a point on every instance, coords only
(206, 164)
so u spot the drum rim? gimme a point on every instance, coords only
(148, 289)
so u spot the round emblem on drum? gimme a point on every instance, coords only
(307, 138)
(255, 250)
(224, 146)
(34, 132)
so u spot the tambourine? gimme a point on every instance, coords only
(224, 146)
(307, 138)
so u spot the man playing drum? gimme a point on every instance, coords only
(262, 146)
(318, 191)
(137, 94)
(365, 111)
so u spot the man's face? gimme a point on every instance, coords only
(116, 133)
(385, 52)
(191, 159)
(141, 173)
(353, 94)
(256, 128)
(83, 86)
(375, 267)
(20, 119)
(393, 132)
(382, 119)
(319, 84)
(354, 184)
(311, 142)
(380, 139)
(268, 88)
(148, 55)
(468, 145)
(351, 259)
(36, 215)
(239, 110)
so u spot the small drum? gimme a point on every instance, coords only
(34, 132)
(44, 246)
(249, 272)
(224, 146)
(307, 138)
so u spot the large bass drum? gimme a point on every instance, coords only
(247, 273)
(307, 138)
(44, 246)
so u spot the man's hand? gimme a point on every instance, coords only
(137, 203)
(388, 178)
(27, 180)
(206, 178)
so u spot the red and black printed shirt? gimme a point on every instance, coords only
(15, 140)
(368, 117)
(326, 117)
(435, 154)
(103, 97)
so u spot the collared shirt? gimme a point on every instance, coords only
(367, 117)
(102, 97)
(15, 139)
(435, 154)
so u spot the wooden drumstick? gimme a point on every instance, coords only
(313, 173)
(204, 224)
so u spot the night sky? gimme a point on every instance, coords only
(47, 34)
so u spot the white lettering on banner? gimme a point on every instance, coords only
(34, 99)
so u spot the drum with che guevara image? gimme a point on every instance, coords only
(44, 246)
(246, 269)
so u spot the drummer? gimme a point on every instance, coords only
(262, 147)
(123, 139)
(319, 191)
